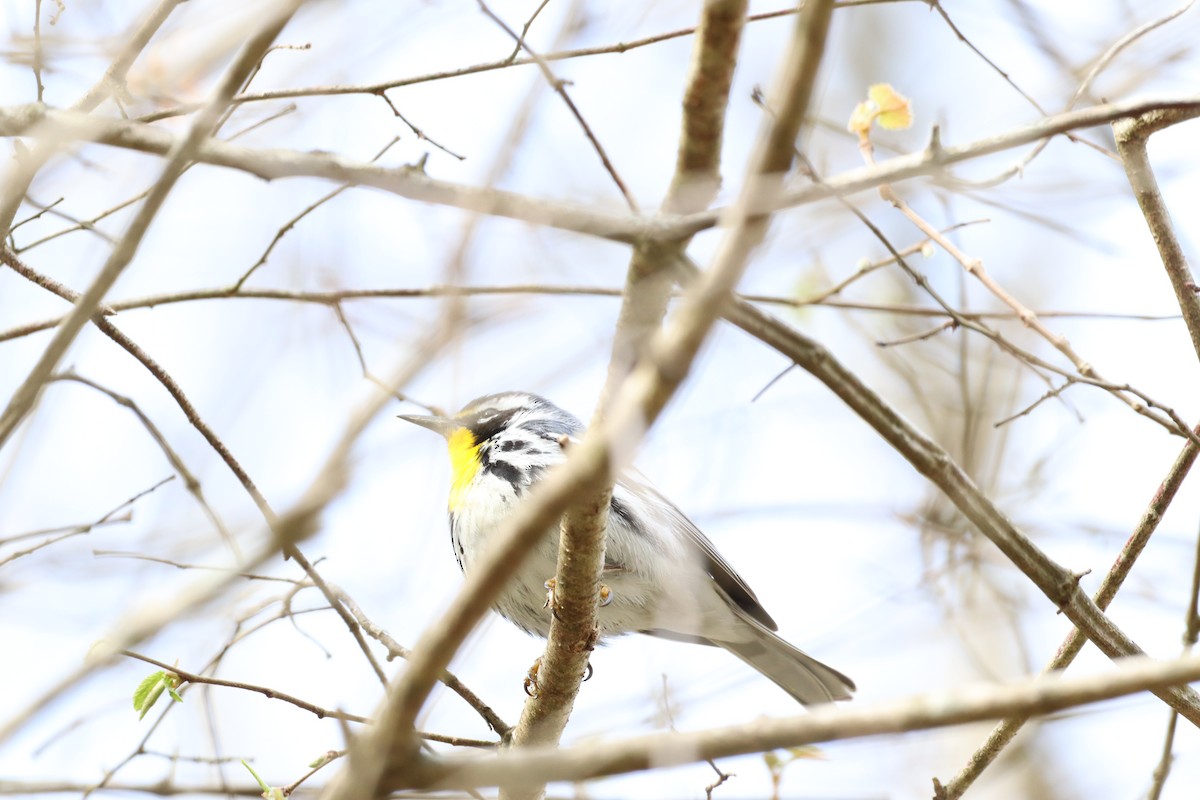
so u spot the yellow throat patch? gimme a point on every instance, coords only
(464, 465)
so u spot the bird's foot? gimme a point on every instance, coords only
(531, 677)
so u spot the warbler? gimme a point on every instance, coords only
(665, 578)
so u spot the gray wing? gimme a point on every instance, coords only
(732, 584)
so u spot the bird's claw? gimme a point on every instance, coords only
(531, 684)
(551, 584)
(551, 601)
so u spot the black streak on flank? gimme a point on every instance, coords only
(625, 515)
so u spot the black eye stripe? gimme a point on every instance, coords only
(486, 424)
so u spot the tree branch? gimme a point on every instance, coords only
(1006, 730)
(644, 303)
(1044, 694)
(384, 756)
(181, 152)
(1132, 134)
(415, 185)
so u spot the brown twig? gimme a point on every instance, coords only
(334, 297)
(560, 88)
(291, 223)
(190, 481)
(525, 31)
(420, 134)
(266, 691)
(558, 55)
(76, 530)
(250, 576)
(448, 678)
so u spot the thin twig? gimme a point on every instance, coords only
(291, 223)
(420, 134)
(190, 481)
(79, 530)
(560, 87)
(559, 55)
(451, 681)
(335, 297)
(266, 691)
(180, 155)
(525, 30)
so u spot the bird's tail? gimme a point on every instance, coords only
(796, 672)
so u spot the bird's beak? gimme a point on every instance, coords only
(441, 425)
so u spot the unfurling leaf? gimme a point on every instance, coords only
(152, 687)
(892, 110)
(268, 792)
(895, 110)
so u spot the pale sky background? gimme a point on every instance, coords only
(802, 498)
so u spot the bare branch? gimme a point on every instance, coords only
(269, 693)
(77, 530)
(560, 89)
(415, 185)
(1004, 732)
(929, 459)
(1132, 134)
(181, 152)
(1040, 695)
(644, 303)
(386, 752)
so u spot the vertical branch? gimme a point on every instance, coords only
(1132, 134)
(388, 753)
(647, 290)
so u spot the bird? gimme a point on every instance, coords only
(664, 577)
